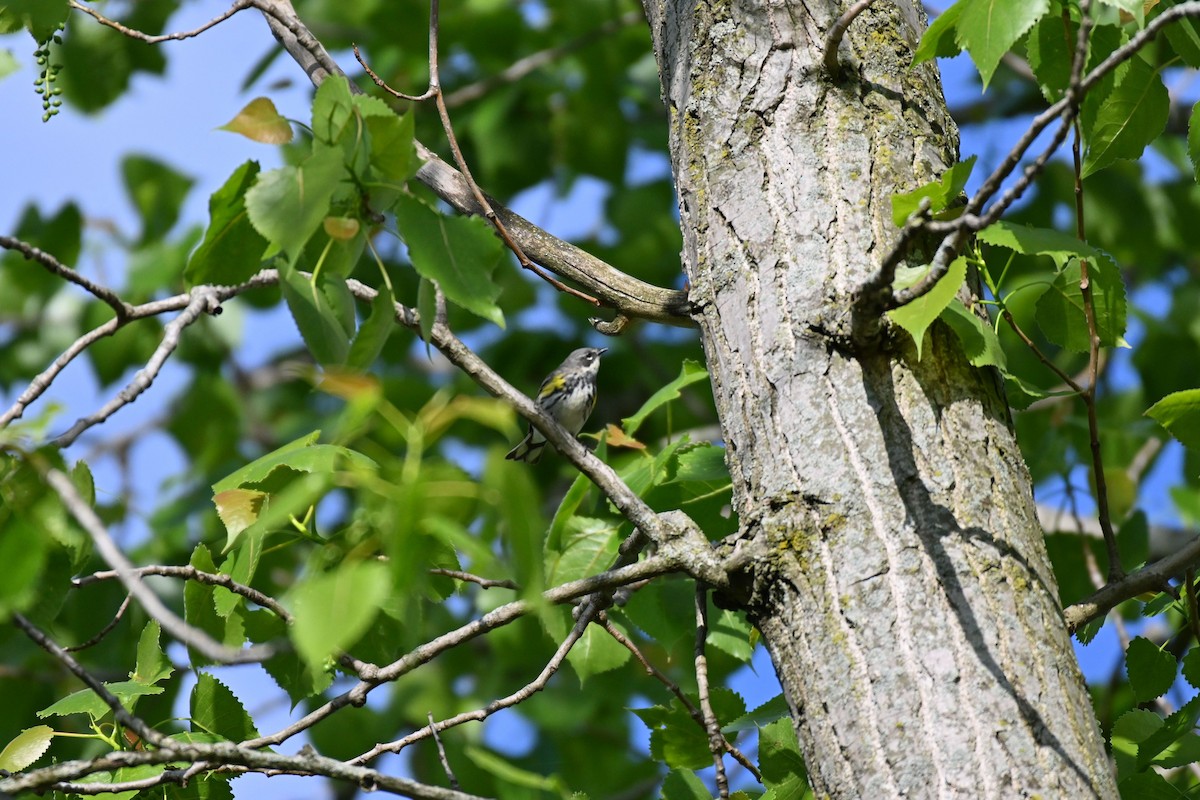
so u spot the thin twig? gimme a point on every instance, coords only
(1149, 578)
(107, 629)
(435, 91)
(442, 752)
(121, 714)
(715, 738)
(632, 298)
(524, 66)
(204, 301)
(1115, 569)
(675, 689)
(834, 38)
(480, 714)
(239, 5)
(372, 676)
(55, 266)
(486, 583)
(112, 555)
(1066, 109)
(190, 573)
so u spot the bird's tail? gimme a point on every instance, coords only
(527, 450)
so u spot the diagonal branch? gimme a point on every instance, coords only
(63, 271)
(122, 715)
(112, 555)
(203, 300)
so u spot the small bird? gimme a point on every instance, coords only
(568, 394)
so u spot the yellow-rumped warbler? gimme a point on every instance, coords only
(568, 394)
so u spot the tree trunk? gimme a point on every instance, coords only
(910, 608)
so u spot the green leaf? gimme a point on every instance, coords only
(459, 253)
(704, 463)
(1028, 240)
(1151, 671)
(152, 663)
(1191, 667)
(40, 17)
(261, 122)
(373, 333)
(567, 507)
(940, 38)
(1137, 725)
(510, 773)
(301, 455)
(332, 111)
(316, 317)
(392, 152)
(730, 632)
(988, 29)
(1148, 786)
(1172, 740)
(1193, 140)
(779, 756)
(215, 710)
(589, 546)
(774, 709)
(596, 652)
(1060, 310)
(157, 192)
(941, 193)
(334, 609)
(1179, 413)
(689, 373)
(1184, 36)
(684, 785)
(199, 608)
(26, 748)
(286, 205)
(676, 738)
(85, 701)
(666, 611)
(917, 315)
(232, 249)
(1132, 116)
(1050, 56)
(978, 339)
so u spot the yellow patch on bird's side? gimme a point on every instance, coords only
(551, 386)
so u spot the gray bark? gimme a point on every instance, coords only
(909, 607)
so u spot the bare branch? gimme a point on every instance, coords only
(479, 715)
(38, 386)
(112, 555)
(239, 5)
(52, 264)
(1149, 578)
(190, 573)
(442, 753)
(715, 738)
(834, 38)
(613, 288)
(121, 609)
(675, 689)
(213, 756)
(486, 583)
(121, 714)
(204, 300)
(373, 676)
